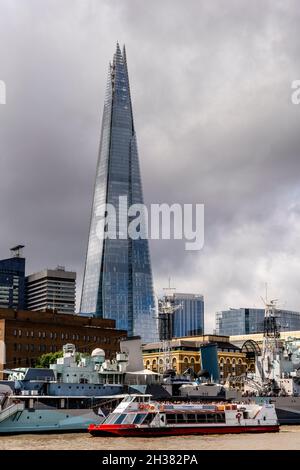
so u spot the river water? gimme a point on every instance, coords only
(287, 438)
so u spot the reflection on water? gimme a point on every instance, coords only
(287, 438)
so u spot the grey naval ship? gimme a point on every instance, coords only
(277, 372)
(68, 396)
(276, 379)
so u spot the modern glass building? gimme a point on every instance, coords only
(188, 319)
(243, 321)
(118, 279)
(12, 280)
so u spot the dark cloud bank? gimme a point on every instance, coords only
(211, 86)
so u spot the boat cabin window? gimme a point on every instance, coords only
(171, 418)
(111, 418)
(196, 418)
(149, 418)
(180, 418)
(191, 418)
(201, 418)
(220, 417)
(139, 418)
(129, 418)
(120, 419)
(245, 414)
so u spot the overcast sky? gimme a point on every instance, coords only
(211, 90)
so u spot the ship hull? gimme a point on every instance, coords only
(287, 408)
(128, 431)
(39, 421)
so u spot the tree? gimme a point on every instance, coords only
(45, 360)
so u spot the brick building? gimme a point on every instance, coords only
(26, 335)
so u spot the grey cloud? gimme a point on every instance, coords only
(210, 83)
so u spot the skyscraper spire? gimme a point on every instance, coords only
(118, 279)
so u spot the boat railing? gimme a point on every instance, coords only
(11, 410)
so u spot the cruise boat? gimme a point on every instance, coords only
(138, 415)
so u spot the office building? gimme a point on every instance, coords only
(118, 279)
(26, 335)
(12, 280)
(243, 321)
(51, 289)
(188, 319)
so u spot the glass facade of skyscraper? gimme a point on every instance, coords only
(12, 283)
(188, 319)
(243, 321)
(118, 279)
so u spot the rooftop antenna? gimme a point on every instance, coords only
(17, 251)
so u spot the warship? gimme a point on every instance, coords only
(276, 379)
(277, 371)
(75, 391)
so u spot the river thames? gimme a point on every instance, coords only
(287, 438)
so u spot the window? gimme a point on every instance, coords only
(191, 418)
(171, 418)
(44, 334)
(220, 418)
(20, 332)
(210, 418)
(201, 418)
(139, 418)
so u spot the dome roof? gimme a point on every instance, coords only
(98, 352)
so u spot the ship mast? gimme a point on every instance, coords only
(166, 309)
(270, 348)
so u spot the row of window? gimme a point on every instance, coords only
(64, 336)
(31, 347)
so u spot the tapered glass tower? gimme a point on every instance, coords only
(118, 279)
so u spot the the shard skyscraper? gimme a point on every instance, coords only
(118, 279)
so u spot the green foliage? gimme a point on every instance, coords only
(46, 359)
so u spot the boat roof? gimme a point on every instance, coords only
(21, 397)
